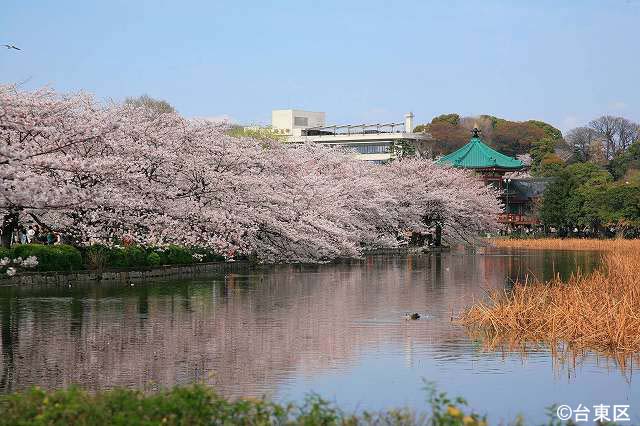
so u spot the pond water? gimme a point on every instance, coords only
(285, 331)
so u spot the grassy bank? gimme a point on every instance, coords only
(99, 257)
(596, 311)
(198, 405)
(567, 244)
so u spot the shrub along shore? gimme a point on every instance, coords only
(97, 257)
(597, 311)
(198, 405)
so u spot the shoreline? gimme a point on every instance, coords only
(166, 271)
(122, 275)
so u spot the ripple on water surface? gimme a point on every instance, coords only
(337, 329)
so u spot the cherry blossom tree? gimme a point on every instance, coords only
(38, 131)
(99, 171)
(432, 198)
(240, 195)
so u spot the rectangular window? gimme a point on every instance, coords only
(371, 149)
(301, 121)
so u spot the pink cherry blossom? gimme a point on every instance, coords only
(96, 171)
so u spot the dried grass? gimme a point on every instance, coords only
(599, 311)
(568, 244)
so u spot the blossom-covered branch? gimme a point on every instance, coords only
(96, 171)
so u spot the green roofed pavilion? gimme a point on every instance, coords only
(477, 155)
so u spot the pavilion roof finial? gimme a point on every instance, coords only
(476, 132)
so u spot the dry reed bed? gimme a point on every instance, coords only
(568, 244)
(599, 311)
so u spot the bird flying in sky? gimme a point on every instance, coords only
(11, 46)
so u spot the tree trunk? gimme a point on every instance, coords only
(438, 237)
(417, 239)
(9, 225)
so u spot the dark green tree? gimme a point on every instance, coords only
(540, 150)
(549, 131)
(577, 199)
(625, 161)
(554, 210)
(551, 165)
(453, 119)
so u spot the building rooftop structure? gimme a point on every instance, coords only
(530, 188)
(371, 142)
(477, 155)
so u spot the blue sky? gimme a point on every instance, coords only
(564, 62)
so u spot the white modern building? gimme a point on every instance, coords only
(291, 122)
(376, 142)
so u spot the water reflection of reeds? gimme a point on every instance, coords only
(566, 360)
(593, 315)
